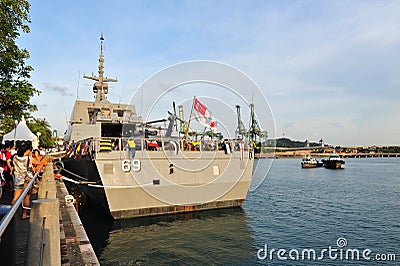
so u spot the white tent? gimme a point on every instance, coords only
(22, 132)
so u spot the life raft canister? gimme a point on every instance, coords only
(105, 145)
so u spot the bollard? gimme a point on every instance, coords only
(43, 246)
(48, 173)
(47, 190)
(47, 187)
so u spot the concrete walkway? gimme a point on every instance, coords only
(74, 243)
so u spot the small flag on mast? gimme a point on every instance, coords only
(203, 115)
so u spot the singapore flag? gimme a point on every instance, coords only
(203, 115)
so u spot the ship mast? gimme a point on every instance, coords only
(100, 87)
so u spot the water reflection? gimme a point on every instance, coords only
(208, 237)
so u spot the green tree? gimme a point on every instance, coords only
(41, 125)
(15, 89)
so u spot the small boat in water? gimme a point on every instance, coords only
(333, 162)
(310, 162)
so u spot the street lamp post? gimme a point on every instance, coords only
(55, 135)
(38, 134)
(15, 131)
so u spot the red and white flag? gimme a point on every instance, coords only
(203, 115)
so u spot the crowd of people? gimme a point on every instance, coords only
(17, 168)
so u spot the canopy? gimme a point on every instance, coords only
(22, 132)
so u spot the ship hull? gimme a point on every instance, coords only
(309, 165)
(216, 180)
(333, 164)
(83, 171)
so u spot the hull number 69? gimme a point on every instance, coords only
(128, 165)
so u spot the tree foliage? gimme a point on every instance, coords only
(41, 125)
(15, 89)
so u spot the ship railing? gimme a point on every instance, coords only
(120, 145)
(83, 148)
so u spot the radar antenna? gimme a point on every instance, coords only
(100, 87)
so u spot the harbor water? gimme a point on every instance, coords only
(314, 216)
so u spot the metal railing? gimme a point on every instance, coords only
(120, 144)
(10, 214)
(93, 146)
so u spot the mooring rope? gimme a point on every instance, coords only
(132, 186)
(77, 182)
(78, 176)
(93, 184)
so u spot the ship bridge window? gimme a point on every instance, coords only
(120, 113)
(111, 130)
(130, 130)
(105, 112)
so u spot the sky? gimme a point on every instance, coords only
(328, 69)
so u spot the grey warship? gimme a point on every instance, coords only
(162, 176)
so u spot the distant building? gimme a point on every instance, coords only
(321, 142)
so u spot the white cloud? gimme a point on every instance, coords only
(64, 91)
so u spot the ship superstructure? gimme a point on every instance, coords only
(126, 167)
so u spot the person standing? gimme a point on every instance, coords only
(2, 181)
(132, 147)
(38, 160)
(42, 151)
(22, 175)
(12, 149)
(7, 167)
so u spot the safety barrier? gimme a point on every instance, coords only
(8, 227)
(154, 143)
(43, 246)
(10, 214)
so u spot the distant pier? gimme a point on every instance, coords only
(322, 155)
(321, 152)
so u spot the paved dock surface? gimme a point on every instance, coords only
(22, 240)
(21, 229)
(74, 243)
